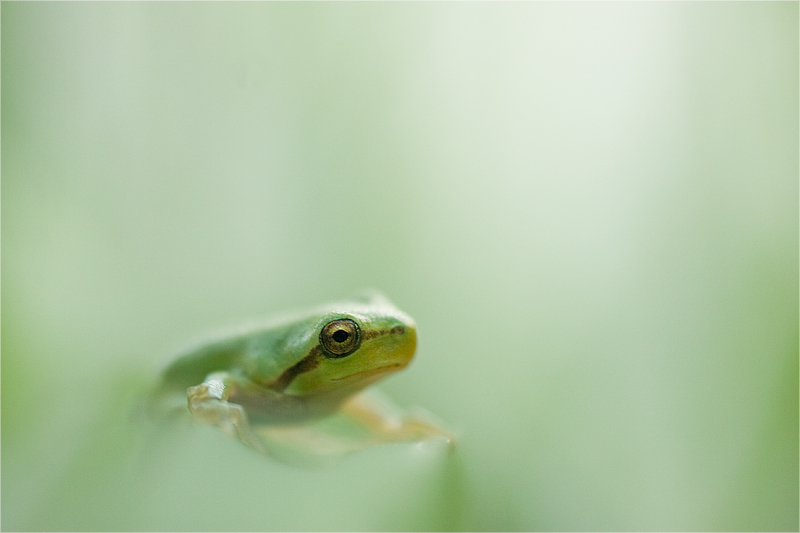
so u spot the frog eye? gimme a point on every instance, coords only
(340, 337)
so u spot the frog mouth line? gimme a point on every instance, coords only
(373, 371)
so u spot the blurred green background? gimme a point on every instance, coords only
(591, 209)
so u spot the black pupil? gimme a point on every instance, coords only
(340, 336)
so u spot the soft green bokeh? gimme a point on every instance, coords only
(591, 209)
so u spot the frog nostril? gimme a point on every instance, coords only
(399, 330)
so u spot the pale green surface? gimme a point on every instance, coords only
(591, 211)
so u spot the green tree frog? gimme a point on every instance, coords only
(270, 383)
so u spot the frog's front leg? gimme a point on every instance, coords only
(208, 402)
(387, 423)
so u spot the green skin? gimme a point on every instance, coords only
(295, 370)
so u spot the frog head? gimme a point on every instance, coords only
(348, 348)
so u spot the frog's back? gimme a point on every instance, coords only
(249, 348)
(192, 367)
